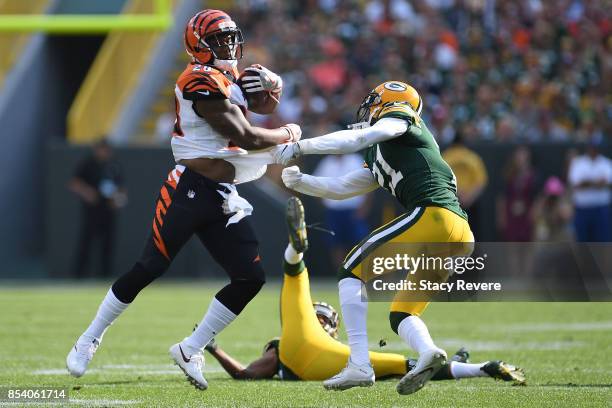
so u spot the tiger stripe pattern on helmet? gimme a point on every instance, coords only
(202, 25)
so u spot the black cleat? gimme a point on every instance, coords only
(296, 225)
(505, 372)
(461, 356)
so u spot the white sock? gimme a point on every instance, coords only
(217, 317)
(109, 310)
(465, 370)
(414, 332)
(354, 314)
(291, 256)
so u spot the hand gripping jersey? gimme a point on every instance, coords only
(193, 137)
(410, 166)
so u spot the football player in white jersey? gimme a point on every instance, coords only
(210, 142)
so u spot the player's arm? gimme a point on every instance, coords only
(262, 368)
(353, 140)
(228, 120)
(352, 184)
(345, 141)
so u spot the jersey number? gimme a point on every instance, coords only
(385, 174)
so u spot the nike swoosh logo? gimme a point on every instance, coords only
(204, 92)
(185, 359)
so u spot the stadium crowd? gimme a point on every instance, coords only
(514, 72)
(526, 70)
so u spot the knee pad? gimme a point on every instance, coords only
(395, 318)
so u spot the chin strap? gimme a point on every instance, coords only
(226, 65)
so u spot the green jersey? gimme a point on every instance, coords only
(411, 167)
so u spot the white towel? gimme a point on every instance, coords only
(234, 204)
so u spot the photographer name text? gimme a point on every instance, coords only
(427, 285)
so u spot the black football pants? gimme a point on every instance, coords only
(188, 204)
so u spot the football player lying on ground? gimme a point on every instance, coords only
(308, 349)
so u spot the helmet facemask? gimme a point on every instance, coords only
(328, 318)
(226, 47)
(365, 111)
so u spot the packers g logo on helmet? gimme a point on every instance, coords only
(385, 94)
(395, 86)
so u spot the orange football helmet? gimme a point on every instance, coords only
(210, 36)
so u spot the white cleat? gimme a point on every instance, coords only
(351, 376)
(426, 366)
(80, 355)
(191, 365)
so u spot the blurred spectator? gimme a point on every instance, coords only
(471, 175)
(99, 185)
(347, 218)
(527, 70)
(514, 219)
(590, 176)
(552, 213)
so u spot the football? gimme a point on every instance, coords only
(262, 102)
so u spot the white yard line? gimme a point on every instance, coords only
(102, 402)
(73, 401)
(544, 326)
(476, 346)
(144, 369)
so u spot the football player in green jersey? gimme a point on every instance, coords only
(402, 156)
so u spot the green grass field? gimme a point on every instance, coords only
(564, 348)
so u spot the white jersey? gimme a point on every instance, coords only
(193, 137)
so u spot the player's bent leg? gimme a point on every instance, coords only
(172, 226)
(358, 371)
(86, 346)
(235, 248)
(223, 310)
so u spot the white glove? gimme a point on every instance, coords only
(260, 79)
(292, 176)
(286, 152)
(295, 131)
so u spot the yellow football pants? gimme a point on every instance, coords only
(434, 225)
(307, 350)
